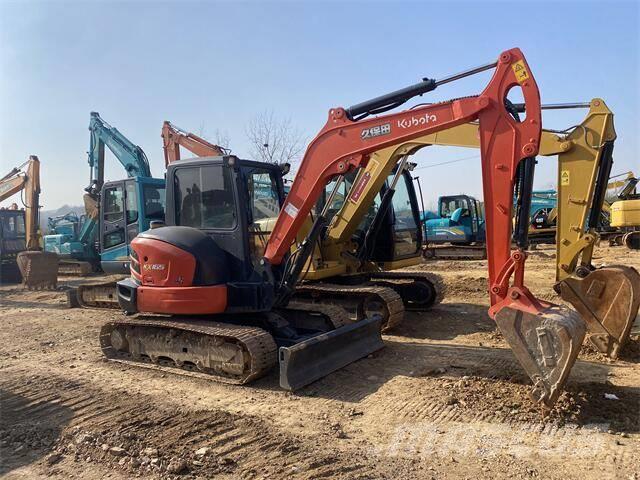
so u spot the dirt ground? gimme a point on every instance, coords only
(445, 399)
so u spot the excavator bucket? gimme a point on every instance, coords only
(608, 300)
(545, 344)
(307, 361)
(38, 269)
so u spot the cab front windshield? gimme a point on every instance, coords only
(13, 225)
(450, 205)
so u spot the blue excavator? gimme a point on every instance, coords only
(116, 211)
(457, 230)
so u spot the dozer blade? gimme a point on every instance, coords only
(38, 269)
(546, 345)
(608, 300)
(99, 296)
(307, 361)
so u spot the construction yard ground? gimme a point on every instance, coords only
(445, 399)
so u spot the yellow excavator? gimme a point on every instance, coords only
(19, 230)
(607, 298)
(624, 213)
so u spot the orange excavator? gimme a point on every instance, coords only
(231, 314)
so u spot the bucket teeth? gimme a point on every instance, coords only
(607, 299)
(545, 344)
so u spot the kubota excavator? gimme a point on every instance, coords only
(607, 298)
(360, 291)
(202, 263)
(20, 231)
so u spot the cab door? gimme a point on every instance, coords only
(112, 217)
(407, 237)
(119, 224)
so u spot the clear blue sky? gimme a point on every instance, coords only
(219, 63)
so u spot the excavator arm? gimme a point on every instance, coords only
(131, 156)
(584, 163)
(545, 338)
(174, 137)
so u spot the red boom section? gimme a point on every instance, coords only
(343, 145)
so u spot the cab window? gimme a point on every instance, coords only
(132, 203)
(113, 204)
(154, 202)
(204, 197)
(450, 205)
(263, 192)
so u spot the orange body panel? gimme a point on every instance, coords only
(161, 264)
(183, 300)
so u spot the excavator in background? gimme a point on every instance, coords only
(625, 214)
(173, 137)
(203, 264)
(457, 231)
(115, 211)
(20, 248)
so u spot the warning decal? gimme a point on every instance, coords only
(520, 71)
(291, 210)
(359, 188)
(564, 178)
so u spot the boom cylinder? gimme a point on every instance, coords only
(400, 96)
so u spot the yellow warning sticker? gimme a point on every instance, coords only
(564, 178)
(520, 71)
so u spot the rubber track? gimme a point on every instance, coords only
(338, 315)
(402, 276)
(358, 293)
(75, 268)
(258, 343)
(102, 305)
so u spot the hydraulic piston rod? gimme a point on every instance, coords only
(393, 99)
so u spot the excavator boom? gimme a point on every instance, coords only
(174, 137)
(545, 338)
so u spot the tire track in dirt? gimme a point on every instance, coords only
(97, 422)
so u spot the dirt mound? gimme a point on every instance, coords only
(506, 399)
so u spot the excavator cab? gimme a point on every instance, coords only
(460, 221)
(128, 208)
(13, 240)
(233, 203)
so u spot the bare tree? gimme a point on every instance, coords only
(274, 140)
(219, 137)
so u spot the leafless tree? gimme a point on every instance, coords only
(219, 137)
(274, 140)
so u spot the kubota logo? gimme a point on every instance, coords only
(417, 120)
(154, 266)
